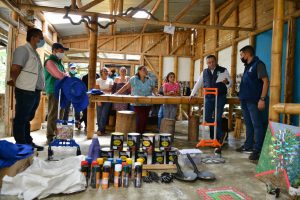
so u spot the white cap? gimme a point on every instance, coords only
(118, 167)
(137, 164)
(107, 163)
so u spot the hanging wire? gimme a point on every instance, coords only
(86, 20)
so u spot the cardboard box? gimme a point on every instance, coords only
(16, 168)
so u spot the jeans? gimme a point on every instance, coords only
(67, 111)
(256, 125)
(160, 115)
(170, 111)
(26, 104)
(142, 113)
(209, 114)
(102, 115)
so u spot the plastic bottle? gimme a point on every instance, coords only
(112, 169)
(100, 163)
(94, 149)
(89, 160)
(118, 175)
(95, 177)
(105, 175)
(125, 175)
(129, 164)
(138, 175)
(84, 169)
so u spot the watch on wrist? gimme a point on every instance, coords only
(262, 98)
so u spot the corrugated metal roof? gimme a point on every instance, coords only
(194, 15)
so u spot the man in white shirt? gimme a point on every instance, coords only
(214, 76)
(28, 78)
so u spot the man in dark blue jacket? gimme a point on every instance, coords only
(253, 95)
(214, 76)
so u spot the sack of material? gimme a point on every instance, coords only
(43, 178)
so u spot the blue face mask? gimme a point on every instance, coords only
(73, 71)
(41, 43)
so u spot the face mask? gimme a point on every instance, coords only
(244, 60)
(41, 43)
(73, 71)
(60, 55)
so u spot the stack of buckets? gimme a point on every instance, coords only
(141, 146)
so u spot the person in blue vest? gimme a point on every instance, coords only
(214, 76)
(253, 95)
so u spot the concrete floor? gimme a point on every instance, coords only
(237, 172)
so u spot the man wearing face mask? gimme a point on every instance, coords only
(72, 73)
(28, 78)
(214, 76)
(253, 96)
(54, 70)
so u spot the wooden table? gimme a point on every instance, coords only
(161, 100)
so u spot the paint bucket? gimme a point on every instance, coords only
(124, 154)
(171, 154)
(148, 142)
(158, 157)
(106, 153)
(133, 141)
(165, 141)
(116, 142)
(141, 154)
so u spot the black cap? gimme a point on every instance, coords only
(59, 46)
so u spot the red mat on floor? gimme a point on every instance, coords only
(223, 193)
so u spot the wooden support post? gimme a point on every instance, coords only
(54, 37)
(73, 4)
(120, 7)
(234, 54)
(276, 61)
(141, 43)
(92, 76)
(290, 58)
(230, 117)
(212, 21)
(176, 67)
(166, 10)
(193, 128)
(192, 73)
(111, 9)
(160, 71)
(9, 91)
(132, 68)
(253, 22)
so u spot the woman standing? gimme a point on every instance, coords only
(105, 85)
(170, 88)
(118, 84)
(141, 85)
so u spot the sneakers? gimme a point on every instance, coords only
(37, 147)
(254, 156)
(242, 149)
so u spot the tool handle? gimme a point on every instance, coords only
(193, 163)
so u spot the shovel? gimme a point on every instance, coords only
(202, 175)
(188, 176)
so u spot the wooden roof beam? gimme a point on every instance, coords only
(90, 5)
(154, 9)
(233, 7)
(185, 10)
(130, 19)
(166, 10)
(141, 5)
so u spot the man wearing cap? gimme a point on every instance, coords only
(28, 79)
(54, 70)
(72, 73)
